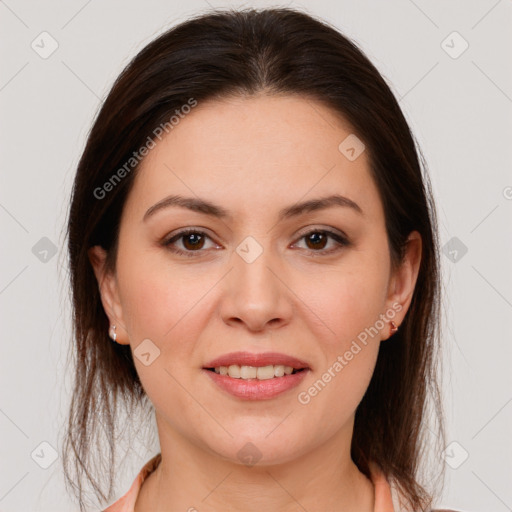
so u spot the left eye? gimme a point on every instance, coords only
(193, 241)
(317, 240)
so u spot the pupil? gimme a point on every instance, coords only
(317, 236)
(195, 243)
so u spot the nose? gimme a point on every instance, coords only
(255, 293)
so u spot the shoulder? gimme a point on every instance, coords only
(387, 496)
(127, 502)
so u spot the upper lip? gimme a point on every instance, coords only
(252, 359)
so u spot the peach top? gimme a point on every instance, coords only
(383, 498)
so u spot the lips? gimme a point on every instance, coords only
(252, 359)
(255, 389)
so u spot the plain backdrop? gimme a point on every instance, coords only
(450, 65)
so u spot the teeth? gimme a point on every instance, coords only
(254, 372)
(234, 371)
(279, 370)
(265, 372)
(249, 372)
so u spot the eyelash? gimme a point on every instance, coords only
(340, 240)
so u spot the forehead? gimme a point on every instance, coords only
(257, 152)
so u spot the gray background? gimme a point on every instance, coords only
(459, 108)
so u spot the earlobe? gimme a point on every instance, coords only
(108, 292)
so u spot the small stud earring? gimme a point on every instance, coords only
(113, 333)
(394, 328)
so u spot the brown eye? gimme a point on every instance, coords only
(193, 241)
(317, 240)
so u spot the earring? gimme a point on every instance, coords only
(113, 333)
(394, 328)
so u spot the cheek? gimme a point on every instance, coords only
(160, 304)
(168, 305)
(349, 301)
(157, 298)
(351, 309)
(334, 395)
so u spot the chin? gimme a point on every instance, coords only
(259, 449)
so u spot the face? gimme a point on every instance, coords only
(313, 284)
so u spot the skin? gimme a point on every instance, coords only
(254, 156)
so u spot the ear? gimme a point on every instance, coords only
(109, 292)
(403, 281)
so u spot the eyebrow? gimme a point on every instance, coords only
(208, 208)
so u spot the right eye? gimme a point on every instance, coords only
(192, 241)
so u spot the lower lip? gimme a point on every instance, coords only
(255, 389)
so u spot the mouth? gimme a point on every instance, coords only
(256, 372)
(256, 376)
(264, 365)
(256, 382)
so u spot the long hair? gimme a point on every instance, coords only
(243, 53)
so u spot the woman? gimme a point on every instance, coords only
(251, 226)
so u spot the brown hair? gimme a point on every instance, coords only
(246, 52)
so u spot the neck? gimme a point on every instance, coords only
(192, 478)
